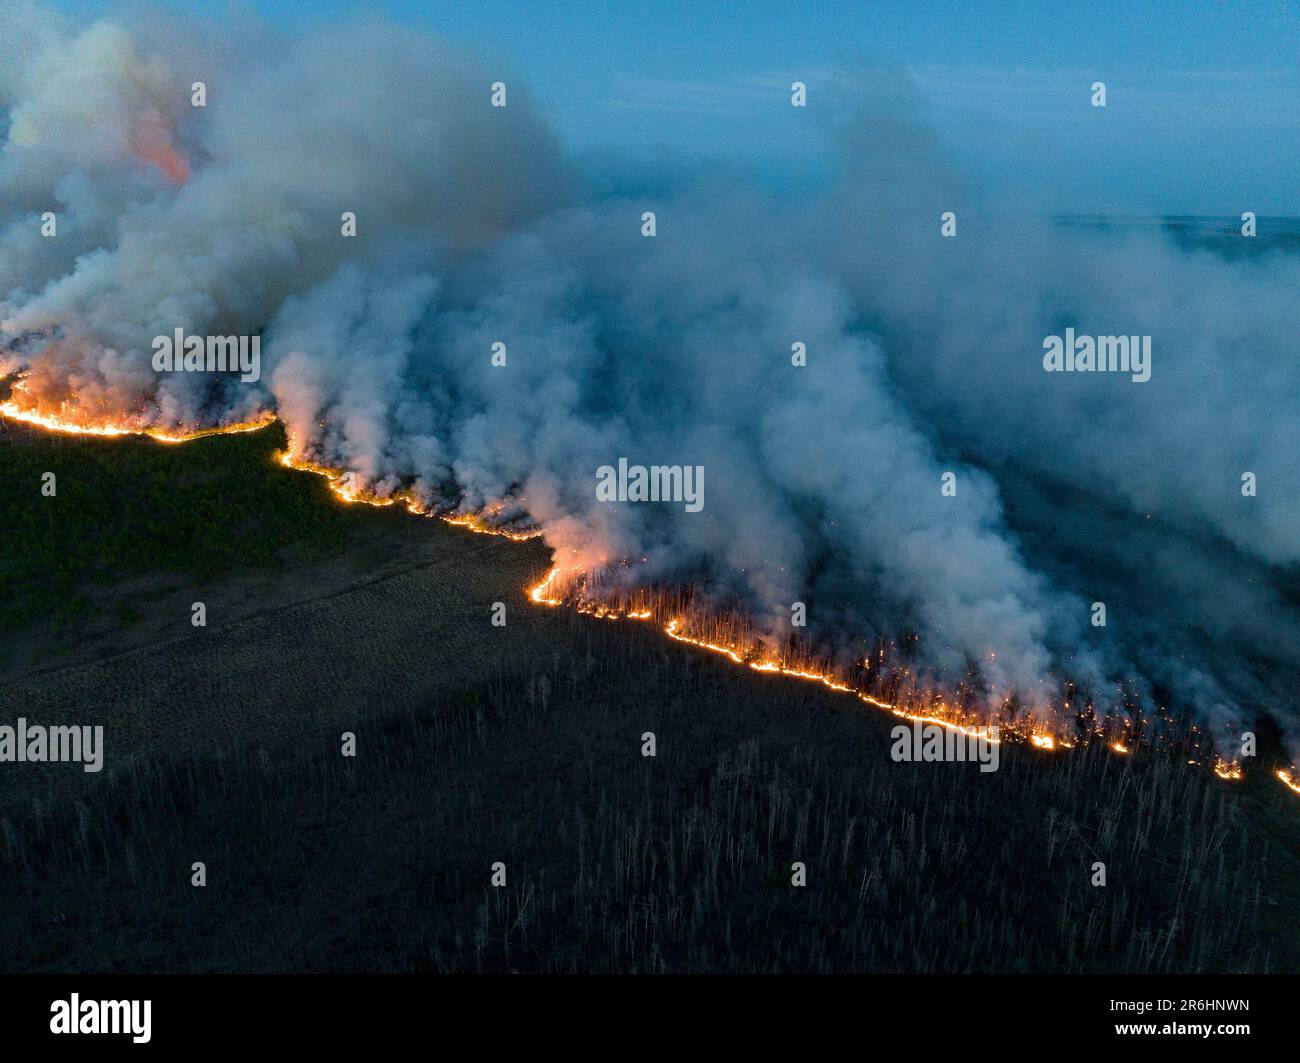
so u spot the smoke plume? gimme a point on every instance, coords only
(823, 481)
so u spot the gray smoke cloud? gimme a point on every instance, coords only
(822, 482)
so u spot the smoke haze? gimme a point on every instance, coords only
(924, 353)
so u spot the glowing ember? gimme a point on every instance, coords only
(1289, 780)
(1230, 771)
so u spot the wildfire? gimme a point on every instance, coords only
(540, 593)
(53, 422)
(475, 523)
(347, 492)
(1228, 770)
(544, 593)
(548, 590)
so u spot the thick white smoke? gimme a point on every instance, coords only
(822, 482)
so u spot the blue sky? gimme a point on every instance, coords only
(1203, 110)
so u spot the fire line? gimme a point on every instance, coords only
(546, 591)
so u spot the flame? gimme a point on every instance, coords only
(475, 523)
(545, 593)
(67, 424)
(539, 594)
(53, 422)
(548, 592)
(346, 492)
(673, 630)
(1229, 770)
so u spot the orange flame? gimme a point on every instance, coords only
(546, 592)
(1227, 770)
(346, 492)
(53, 422)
